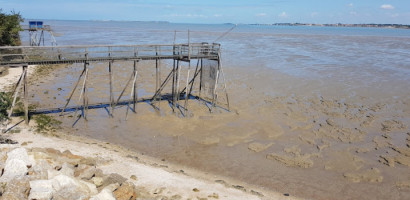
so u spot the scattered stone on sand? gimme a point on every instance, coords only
(390, 125)
(258, 147)
(403, 184)
(381, 142)
(370, 175)
(293, 158)
(210, 140)
(387, 160)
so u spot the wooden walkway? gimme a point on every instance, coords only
(40, 55)
(208, 70)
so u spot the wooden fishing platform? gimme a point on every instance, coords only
(208, 70)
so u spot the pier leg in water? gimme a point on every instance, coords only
(72, 92)
(111, 90)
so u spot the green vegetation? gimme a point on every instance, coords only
(9, 28)
(46, 124)
(5, 104)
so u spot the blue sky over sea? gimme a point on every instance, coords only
(217, 11)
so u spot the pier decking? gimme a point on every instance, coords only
(208, 70)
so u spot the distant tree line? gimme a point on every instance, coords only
(9, 28)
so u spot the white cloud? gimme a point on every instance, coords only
(350, 4)
(261, 15)
(387, 7)
(283, 15)
(314, 14)
(217, 15)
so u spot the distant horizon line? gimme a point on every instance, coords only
(273, 23)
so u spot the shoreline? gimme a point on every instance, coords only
(154, 175)
(151, 173)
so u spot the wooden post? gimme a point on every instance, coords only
(200, 80)
(173, 86)
(16, 91)
(111, 90)
(214, 95)
(134, 87)
(25, 88)
(72, 92)
(224, 80)
(178, 77)
(186, 91)
(156, 73)
(85, 96)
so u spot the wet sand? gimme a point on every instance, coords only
(328, 138)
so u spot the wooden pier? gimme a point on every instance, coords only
(208, 70)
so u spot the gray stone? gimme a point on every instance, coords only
(88, 173)
(67, 169)
(105, 194)
(113, 178)
(14, 168)
(98, 181)
(66, 188)
(19, 154)
(41, 190)
(40, 170)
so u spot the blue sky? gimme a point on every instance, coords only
(217, 11)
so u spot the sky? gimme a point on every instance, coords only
(217, 11)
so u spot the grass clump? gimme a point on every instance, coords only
(46, 124)
(5, 104)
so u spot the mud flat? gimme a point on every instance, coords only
(69, 167)
(294, 135)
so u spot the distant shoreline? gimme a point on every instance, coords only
(401, 26)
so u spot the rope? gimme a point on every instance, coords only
(224, 34)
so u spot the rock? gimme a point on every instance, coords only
(14, 168)
(88, 161)
(41, 190)
(40, 155)
(88, 172)
(133, 177)
(126, 192)
(67, 169)
(66, 188)
(16, 189)
(112, 179)
(40, 170)
(69, 155)
(104, 195)
(20, 154)
(98, 181)
(52, 151)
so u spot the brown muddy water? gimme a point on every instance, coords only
(309, 138)
(316, 112)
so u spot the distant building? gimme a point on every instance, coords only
(33, 25)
